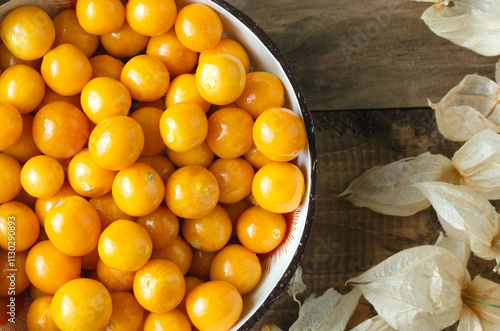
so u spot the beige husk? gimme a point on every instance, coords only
(473, 24)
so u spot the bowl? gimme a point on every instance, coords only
(279, 265)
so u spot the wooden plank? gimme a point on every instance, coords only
(346, 240)
(364, 55)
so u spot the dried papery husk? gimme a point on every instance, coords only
(271, 327)
(481, 309)
(458, 247)
(296, 285)
(473, 24)
(329, 312)
(376, 323)
(478, 162)
(390, 189)
(417, 289)
(465, 215)
(468, 108)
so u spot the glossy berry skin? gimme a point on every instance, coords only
(238, 266)
(208, 233)
(88, 178)
(73, 226)
(260, 230)
(81, 304)
(68, 30)
(10, 179)
(201, 156)
(28, 32)
(183, 89)
(151, 17)
(114, 280)
(230, 46)
(103, 98)
(43, 205)
(21, 279)
(234, 177)
(19, 226)
(124, 42)
(191, 192)
(278, 187)
(177, 251)
(256, 158)
(159, 286)
(183, 126)
(162, 226)
(159, 162)
(220, 78)
(198, 27)
(24, 148)
(116, 143)
(100, 17)
(145, 77)
(125, 245)
(108, 210)
(279, 134)
(214, 305)
(60, 130)
(39, 316)
(22, 87)
(138, 190)
(127, 314)
(105, 65)
(262, 91)
(149, 119)
(42, 176)
(230, 132)
(48, 268)
(171, 320)
(172, 53)
(66, 69)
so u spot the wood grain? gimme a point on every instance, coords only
(364, 55)
(347, 240)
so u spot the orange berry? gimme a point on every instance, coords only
(87, 177)
(116, 143)
(230, 132)
(106, 66)
(127, 314)
(20, 280)
(125, 245)
(278, 187)
(238, 266)
(60, 130)
(42, 176)
(260, 230)
(81, 304)
(114, 280)
(208, 233)
(151, 17)
(183, 89)
(35, 293)
(138, 190)
(145, 77)
(124, 42)
(51, 96)
(214, 305)
(200, 266)
(163, 166)
(230, 46)
(25, 147)
(108, 210)
(191, 192)
(10, 171)
(22, 87)
(43, 205)
(191, 283)
(162, 226)
(172, 53)
(89, 260)
(220, 78)
(73, 226)
(256, 158)
(39, 316)
(28, 32)
(183, 126)
(149, 119)
(262, 91)
(66, 69)
(234, 210)
(103, 98)
(178, 251)
(159, 286)
(48, 268)
(100, 17)
(279, 134)
(159, 103)
(68, 30)
(234, 177)
(171, 320)
(198, 27)
(19, 226)
(201, 156)
(7, 59)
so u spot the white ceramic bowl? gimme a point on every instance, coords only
(279, 265)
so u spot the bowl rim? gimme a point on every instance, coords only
(313, 150)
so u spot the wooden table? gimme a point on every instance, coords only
(366, 70)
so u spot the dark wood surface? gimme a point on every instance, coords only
(366, 70)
